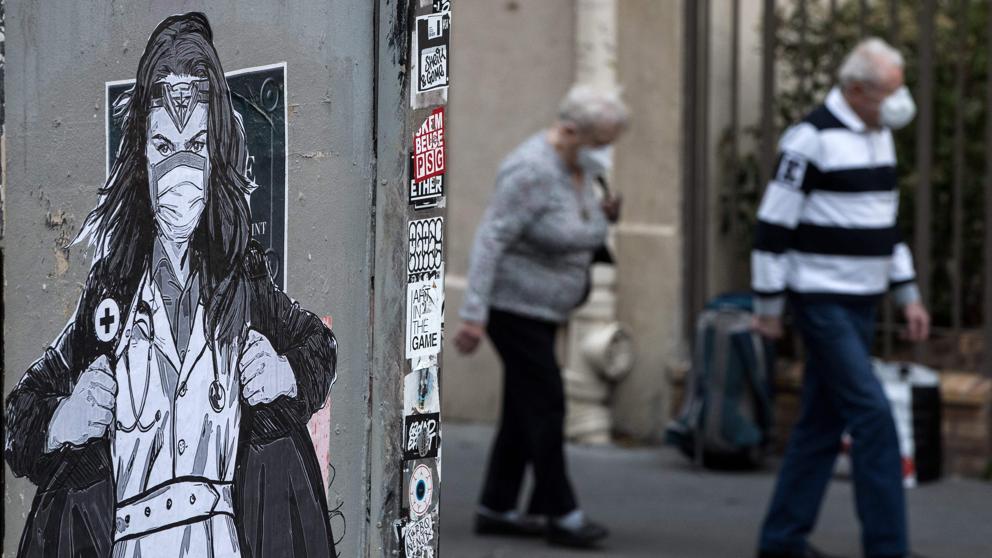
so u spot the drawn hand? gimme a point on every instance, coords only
(265, 374)
(917, 321)
(87, 412)
(469, 336)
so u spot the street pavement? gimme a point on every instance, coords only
(658, 506)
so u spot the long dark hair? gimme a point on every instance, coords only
(123, 226)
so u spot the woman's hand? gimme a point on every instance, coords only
(88, 411)
(469, 336)
(611, 207)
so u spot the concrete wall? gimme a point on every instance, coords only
(513, 60)
(649, 236)
(58, 57)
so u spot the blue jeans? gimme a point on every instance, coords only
(840, 393)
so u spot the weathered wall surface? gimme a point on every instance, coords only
(58, 57)
(649, 236)
(513, 61)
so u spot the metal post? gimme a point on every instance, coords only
(733, 168)
(987, 296)
(700, 217)
(957, 215)
(768, 29)
(387, 518)
(924, 154)
(689, 179)
(696, 175)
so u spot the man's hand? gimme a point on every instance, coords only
(265, 374)
(769, 327)
(469, 336)
(88, 411)
(611, 207)
(917, 322)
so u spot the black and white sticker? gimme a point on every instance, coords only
(426, 248)
(424, 317)
(429, 59)
(419, 537)
(422, 436)
(426, 194)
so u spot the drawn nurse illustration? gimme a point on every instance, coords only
(169, 417)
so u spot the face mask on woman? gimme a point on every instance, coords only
(178, 182)
(597, 160)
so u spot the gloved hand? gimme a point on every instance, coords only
(87, 412)
(265, 374)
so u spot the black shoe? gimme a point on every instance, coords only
(587, 536)
(810, 552)
(489, 525)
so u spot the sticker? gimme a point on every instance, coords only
(420, 490)
(426, 248)
(419, 537)
(429, 59)
(424, 317)
(426, 194)
(423, 436)
(420, 390)
(107, 320)
(428, 147)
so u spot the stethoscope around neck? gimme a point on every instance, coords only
(143, 314)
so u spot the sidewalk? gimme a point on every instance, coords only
(657, 506)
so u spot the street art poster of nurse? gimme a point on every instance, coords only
(169, 417)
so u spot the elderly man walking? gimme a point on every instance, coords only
(827, 240)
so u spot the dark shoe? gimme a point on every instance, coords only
(810, 552)
(587, 536)
(488, 525)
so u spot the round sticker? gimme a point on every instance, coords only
(421, 489)
(107, 320)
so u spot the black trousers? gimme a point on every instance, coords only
(531, 430)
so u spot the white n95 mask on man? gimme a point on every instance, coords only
(898, 109)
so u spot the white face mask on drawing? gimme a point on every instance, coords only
(178, 165)
(178, 185)
(898, 109)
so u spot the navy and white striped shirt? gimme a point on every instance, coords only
(827, 222)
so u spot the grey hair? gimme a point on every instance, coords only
(864, 62)
(588, 107)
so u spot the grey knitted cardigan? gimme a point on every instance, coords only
(534, 246)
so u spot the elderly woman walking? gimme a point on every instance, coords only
(529, 270)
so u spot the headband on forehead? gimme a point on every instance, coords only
(178, 99)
